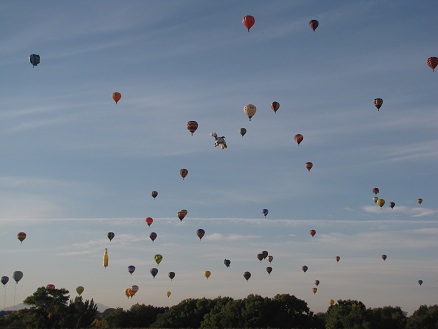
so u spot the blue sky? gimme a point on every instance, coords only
(74, 165)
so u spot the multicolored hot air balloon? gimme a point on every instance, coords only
(265, 212)
(153, 236)
(149, 221)
(183, 172)
(192, 126)
(380, 202)
(227, 262)
(269, 269)
(375, 199)
(248, 21)
(128, 292)
(249, 110)
(171, 275)
(131, 269)
(207, 274)
(79, 290)
(105, 258)
(158, 258)
(116, 96)
(34, 59)
(312, 232)
(154, 194)
(308, 165)
(275, 106)
(313, 24)
(314, 290)
(111, 235)
(432, 62)
(247, 275)
(181, 214)
(242, 131)
(21, 236)
(378, 102)
(298, 138)
(154, 271)
(200, 233)
(392, 205)
(420, 201)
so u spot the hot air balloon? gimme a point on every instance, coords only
(420, 201)
(149, 221)
(111, 235)
(171, 275)
(192, 126)
(275, 106)
(154, 194)
(128, 292)
(314, 290)
(181, 214)
(308, 165)
(375, 199)
(313, 24)
(34, 59)
(265, 212)
(337, 258)
(154, 271)
(260, 257)
(183, 172)
(4, 280)
(391, 205)
(375, 190)
(135, 288)
(331, 302)
(312, 232)
(249, 110)
(298, 138)
(79, 290)
(384, 257)
(248, 21)
(17, 276)
(304, 268)
(200, 233)
(227, 262)
(247, 275)
(378, 102)
(131, 269)
(158, 258)
(116, 96)
(50, 286)
(420, 282)
(269, 269)
(242, 131)
(21, 236)
(168, 293)
(105, 258)
(317, 283)
(380, 202)
(270, 258)
(265, 254)
(432, 62)
(153, 236)
(207, 274)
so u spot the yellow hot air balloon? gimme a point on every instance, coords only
(168, 293)
(380, 202)
(331, 302)
(249, 110)
(105, 258)
(207, 274)
(79, 290)
(158, 258)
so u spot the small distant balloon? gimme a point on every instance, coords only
(380, 202)
(247, 275)
(34, 59)
(79, 290)
(275, 106)
(158, 258)
(298, 138)
(375, 199)
(432, 62)
(227, 262)
(384, 257)
(149, 221)
(111, 235)
(242, 131)
(265, 212)
(192, 126)
(153, 236)
(134, 288)
(50, 286)
(183, 172)
(154, 194)
(337, 258)
(200, 233)
(312, 232)
(260, 257)
(4, 280)
(270, 259)
(304, 268)
(116, 96)
(391, 205)
(331, 302)
(248, 21)
(21, 236)
(378, 102)
(249, 110)
(317, 283)
(17, 276)
(313, 24)
(420, 282)
(265, 254)
(269, 269)
(171, 275)
(154, 272)
(420, 201)
(308, 165)
(168, 293)
(207, 274)
(375, 190)
(314, 290)
(131, 269)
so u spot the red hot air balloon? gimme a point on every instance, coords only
(248, 21)
(432, 62)
(149, 221)
(200, 233)
(298, 138)
(375, 190)
(192, 126)
(313, 24)
(50, 286)
(312, 232)
(308, 165)
(116, 96)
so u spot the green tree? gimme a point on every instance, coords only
(387, 317)
(80, 314)
(426, 317)
(289, 311)
(350, 314)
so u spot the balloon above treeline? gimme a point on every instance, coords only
(432, 62)
(21, 236)
(247, 275)
(79, 290)
(34, 59)
(313, 24)
(17, 276)
(192, 126)
(111, 235)
(248, 21)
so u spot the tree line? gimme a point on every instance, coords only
(53, 308)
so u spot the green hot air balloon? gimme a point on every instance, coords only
(158, 258)
(79, 290)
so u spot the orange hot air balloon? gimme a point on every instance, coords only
(308, 165)
(21, 236)
(183, 172)
(298, 138)
(275, 106)
(314, 290)
(380, 202)
(192, 126)
(432, 62)
(331, 302)
(313, 24)
(312, 232)
(337, 258)
(248, 21)
(116, 96)
(149, 221)
(378, 102)
(420, 201)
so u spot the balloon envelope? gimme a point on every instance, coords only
(420, 282)
(378, 102)
(192, 126)
(247, 275)
(79, 290)
(171, 275)
(337, 258)
(111, 235)
(265, 212)
(154, 194)
(207, 274)
(270, 258)
(420, 201)
(242, 131)
(308, 165)
(21, 236)
(5, 279)
(304, 268)
(260, 257)
(384, 257)
(380, 202)
(298, 138)
(17, 276)
(158, 258)
(183, 172)
(153, 236)
(116, 96)
(313, 24)
(275, 106)
(154, 271)
(131, 269)
(149, 221)
(312, 232)
(168, 293)
(249, 110)
(375, 190)
(317, 283)
(432, 62)
(200, 233)
(50, 286)
(248, 21)
(391, 205)
(227, 262)
(34, 59)
(269, 269)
